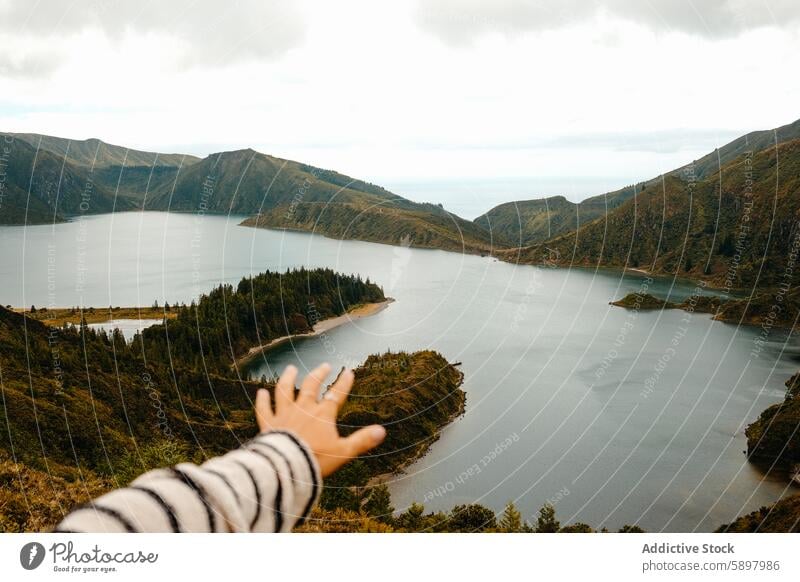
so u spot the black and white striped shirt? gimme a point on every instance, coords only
(268, 485)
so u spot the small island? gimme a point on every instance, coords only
(773, 308)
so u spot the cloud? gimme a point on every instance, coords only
(207, 32)
(462, 21)
(24, 66)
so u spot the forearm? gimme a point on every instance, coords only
(268, 485)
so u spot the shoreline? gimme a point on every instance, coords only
(424, 448)
(464, 251)
(711, 305)
(321, 327)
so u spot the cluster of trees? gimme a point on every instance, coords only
(224, 324)
(377, 514)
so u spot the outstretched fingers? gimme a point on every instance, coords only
(284, 390)
(264, 413)
(364, 439)
(309, 389)
(337, 393)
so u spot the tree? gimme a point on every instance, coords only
(379, 504)
(577, 528)
(511, 520)
(547, 522)
(631, 529)
(411, 519)
(471, 518)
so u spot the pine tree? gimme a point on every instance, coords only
(547, 522)
(511, 520)
(379, 503)
(412, 518)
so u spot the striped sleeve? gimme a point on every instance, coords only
(270, 484)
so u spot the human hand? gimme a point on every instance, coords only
(314, 420)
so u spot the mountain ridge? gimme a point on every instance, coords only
(527, 222)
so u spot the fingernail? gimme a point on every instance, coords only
(290, 368)
(378, 433)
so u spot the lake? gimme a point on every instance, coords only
(613, 416)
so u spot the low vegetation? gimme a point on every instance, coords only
(390, 222)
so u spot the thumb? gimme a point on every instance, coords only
(365, 439)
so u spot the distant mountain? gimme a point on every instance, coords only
(245, 182)
(41, 187)
(99, 154)
(753, 141)
(534, 221)
(391, 221)
(735, 232)
(527, 222)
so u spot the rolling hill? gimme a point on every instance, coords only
(72, 177)
(529, 222)
(246, 182)
(390, 221)
(41, 187)
(734, 232)
(99, 154)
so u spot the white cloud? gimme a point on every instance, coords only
(369, 93)
(205, 32)
(462, 21)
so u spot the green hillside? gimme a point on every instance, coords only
(734, 233)
(754, 141)
(40, 187)
(99, 154)
(243, 182)
(247, 182)
(530, 222)
(389, 221)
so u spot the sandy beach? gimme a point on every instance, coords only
(321, 327)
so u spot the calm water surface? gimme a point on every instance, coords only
(549, 366)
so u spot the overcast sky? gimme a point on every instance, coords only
(573, 95)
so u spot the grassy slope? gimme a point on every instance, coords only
(239, 182)
(98, 154)
(245, 182)
(531, 222)
(710, 164)
(422, 226)
(675, 229)
(50, 188)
